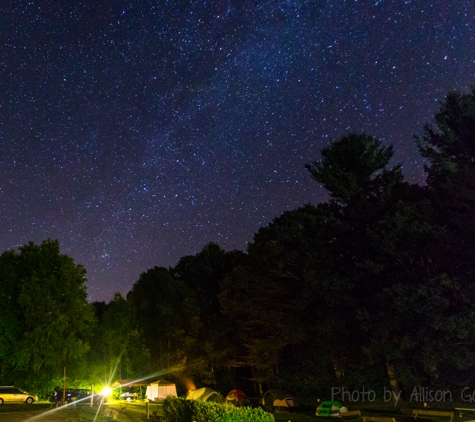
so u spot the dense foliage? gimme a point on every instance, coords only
(373, 288)
(181, 410)
(45, 317)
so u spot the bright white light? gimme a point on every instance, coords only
(106, 391)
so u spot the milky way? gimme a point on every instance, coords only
(136, 132)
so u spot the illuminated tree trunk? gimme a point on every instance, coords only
(392, 378)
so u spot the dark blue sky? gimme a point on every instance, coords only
(136, 132)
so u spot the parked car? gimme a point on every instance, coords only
(11, 394)
(76, 394)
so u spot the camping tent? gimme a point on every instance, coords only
(238, 398)
(160, 390)
(128, 389)
(287, 403)
(277, 400)
(204, 394)
(331, 408)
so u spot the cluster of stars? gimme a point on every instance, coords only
(136, 132)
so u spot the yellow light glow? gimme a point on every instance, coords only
(106, 391)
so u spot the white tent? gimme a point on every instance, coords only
(204, 394)
(160, 390)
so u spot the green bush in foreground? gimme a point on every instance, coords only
(181, 410)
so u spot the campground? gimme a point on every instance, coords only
(114, 410)
(136, 412)
(131, 412)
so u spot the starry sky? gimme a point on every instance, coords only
(137, 131)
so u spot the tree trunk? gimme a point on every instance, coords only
(392, 379)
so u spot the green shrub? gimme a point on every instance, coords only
(178, 410)
(181, 410)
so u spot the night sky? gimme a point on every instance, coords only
(135, 132)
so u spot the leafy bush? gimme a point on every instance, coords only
(178, 410)
(181, 410)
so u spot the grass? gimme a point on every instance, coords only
(114, 410)
(43, 412)
(293, 417)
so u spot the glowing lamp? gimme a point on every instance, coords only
(106, 391)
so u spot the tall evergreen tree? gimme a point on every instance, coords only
(449, 147)
(355, 168)
(204, 273)
(119, 345)
(169, 316)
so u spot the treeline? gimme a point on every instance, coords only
(373, 289)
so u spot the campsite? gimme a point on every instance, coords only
(140, 400)
(135, 411)
(135, 401)
(133, 390)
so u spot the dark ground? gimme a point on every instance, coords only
(42, 412)
(136, 412)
